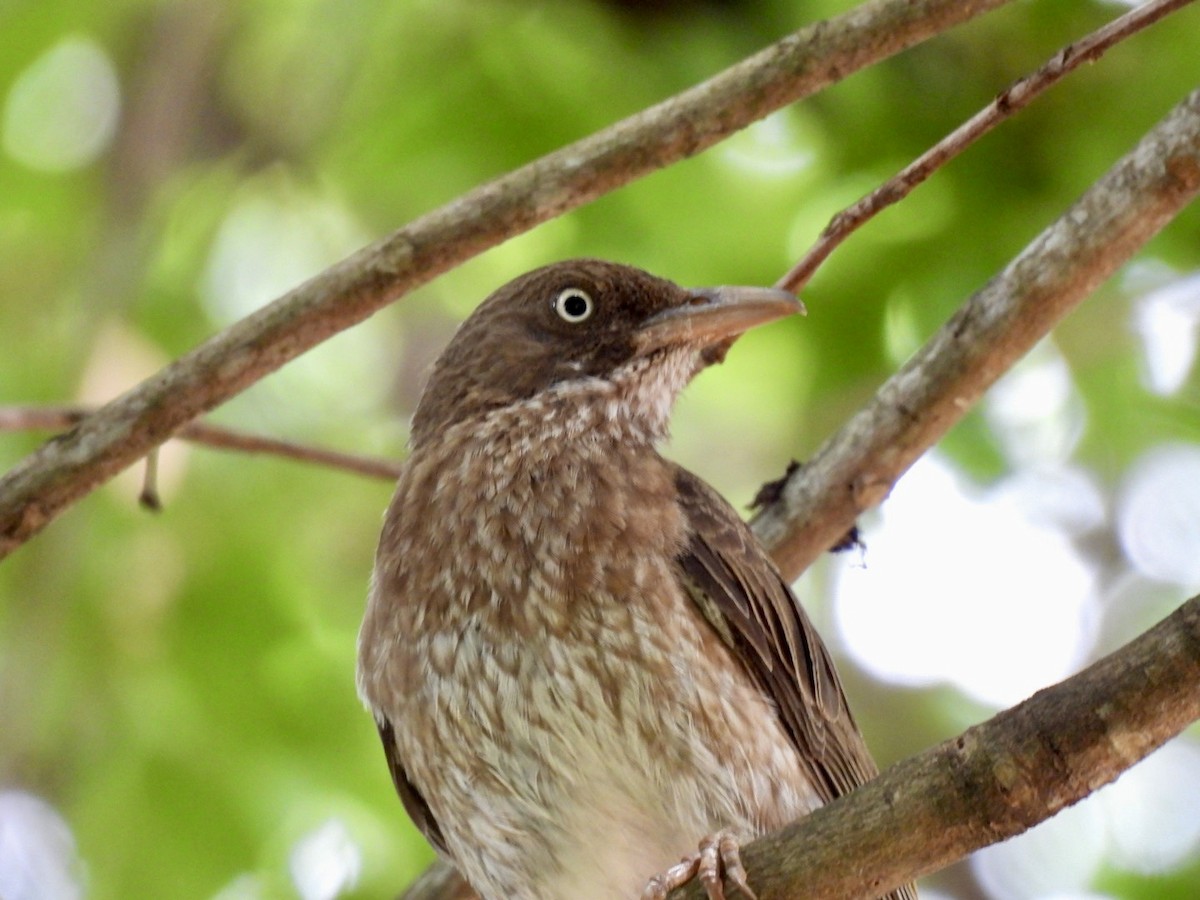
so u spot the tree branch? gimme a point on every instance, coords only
(68, 467)
(992, 782)
(1014, 98)
(856, 468)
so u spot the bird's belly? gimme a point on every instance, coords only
(600, 807)
(618, 843)
(596, 768)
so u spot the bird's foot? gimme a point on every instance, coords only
(719, 858)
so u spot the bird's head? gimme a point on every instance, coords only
(587, 328)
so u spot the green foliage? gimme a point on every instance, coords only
(181, 686)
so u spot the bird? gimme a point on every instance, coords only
(588, 677)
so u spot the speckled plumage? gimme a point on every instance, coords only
(580, 661)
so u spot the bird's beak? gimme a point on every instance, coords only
(715, 317)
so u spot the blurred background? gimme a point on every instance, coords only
(177, 707)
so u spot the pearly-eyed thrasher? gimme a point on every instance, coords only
(581, 662)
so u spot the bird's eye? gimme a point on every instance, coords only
(573, 305)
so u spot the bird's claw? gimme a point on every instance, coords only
(719, 858)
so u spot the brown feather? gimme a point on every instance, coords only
(414, 804)
(772, 636)
(742, 594)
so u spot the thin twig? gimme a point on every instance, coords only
(60, 418)
(149, 497)
(1019, 95)
(225, 439)
(52, 478)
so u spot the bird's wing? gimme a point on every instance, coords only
(414, 804)
(743, 596)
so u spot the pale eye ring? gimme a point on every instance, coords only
(573, 305)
